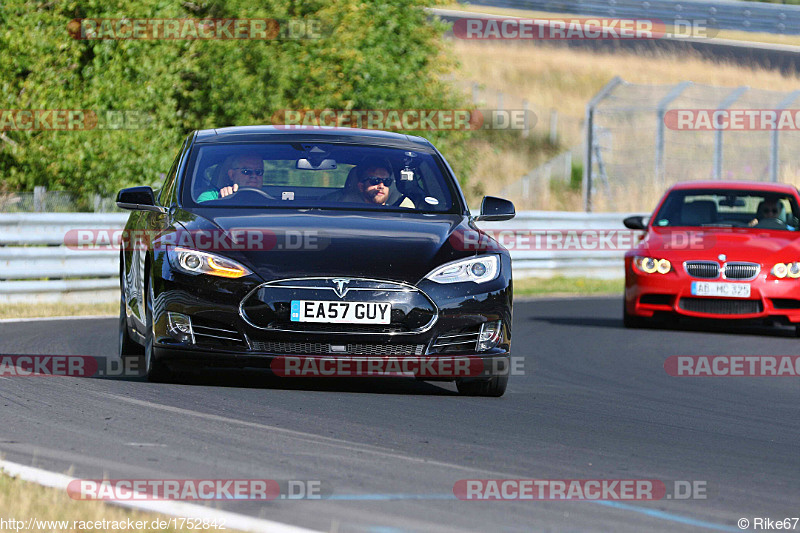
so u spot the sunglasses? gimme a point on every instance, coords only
(770, 211)
(248, 171)
(374, 180)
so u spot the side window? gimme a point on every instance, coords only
(169, 182)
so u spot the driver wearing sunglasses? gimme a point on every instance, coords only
(244, 171)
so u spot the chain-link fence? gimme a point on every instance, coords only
(641, 139)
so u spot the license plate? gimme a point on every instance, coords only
(726, 290)
(341, 312)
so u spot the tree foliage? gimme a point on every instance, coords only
(372, 55)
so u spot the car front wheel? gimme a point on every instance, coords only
(495, 386)
(155, 371)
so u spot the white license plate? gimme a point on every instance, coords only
(341, 312)
(726, 290)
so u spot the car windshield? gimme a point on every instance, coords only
(317, 175)
(729, 208)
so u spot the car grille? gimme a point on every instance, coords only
(721, 306)
(702, 269)
(457, 341)
(656, 299)
(321, 348)
(336, 328)
(785, 303)
(268, 306)
(743, 271)
(209, 332)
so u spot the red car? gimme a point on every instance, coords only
(715, 249)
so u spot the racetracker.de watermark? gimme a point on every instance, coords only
(73, 119)
(197, 489)
(733, 365)
(210, 240)
(433, 366)
(407, 119)
(569, 29)
(733, 119)
(195, 29)
(573, 239)
(578, 489)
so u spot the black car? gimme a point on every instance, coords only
(278, 247)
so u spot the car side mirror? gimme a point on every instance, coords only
(138, 199)
(635, 222)
(495, 209)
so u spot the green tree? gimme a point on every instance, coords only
(371, 56)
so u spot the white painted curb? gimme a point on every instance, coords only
(179, 509)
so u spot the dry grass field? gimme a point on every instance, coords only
(551, 77)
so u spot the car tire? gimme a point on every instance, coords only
(631, 321)
(494, 386)
(155, 371)
(127, 347)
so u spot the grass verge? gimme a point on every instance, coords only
(57, 309)
(522, 287)
(562, 286)
(23, 501)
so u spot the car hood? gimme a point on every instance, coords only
(394, 246)
(738, 244)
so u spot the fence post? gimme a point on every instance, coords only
(589, 125)
(726, 103)
(774, 157)
(39, 193)
(660, 114)
(525, 128)
(500, 101)
(553, 126)
(475, 94)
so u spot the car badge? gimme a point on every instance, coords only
(722, 257)
(341, 286)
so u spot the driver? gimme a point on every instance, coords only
(769, 208)
(244, 171)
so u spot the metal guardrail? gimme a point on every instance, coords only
(722, 14)
(36, 266)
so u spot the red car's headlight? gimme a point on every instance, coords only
(783, 270)
(652, 265)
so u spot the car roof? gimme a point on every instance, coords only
(311, 134)
(738, 185)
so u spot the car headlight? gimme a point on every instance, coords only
(478, 269)
(651, 265)
(196, 262)
(783, 270)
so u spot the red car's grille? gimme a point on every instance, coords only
(721, 306)
(743, 271)
(702, 269)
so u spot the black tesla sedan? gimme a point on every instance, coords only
(335, 252)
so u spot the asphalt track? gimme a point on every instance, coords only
(595, 403)
(783, 58)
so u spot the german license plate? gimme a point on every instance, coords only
(341, 312)
(725, 290)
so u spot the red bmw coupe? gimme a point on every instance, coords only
(715, 249)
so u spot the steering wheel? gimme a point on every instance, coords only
(251, 190)
(771, 223)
